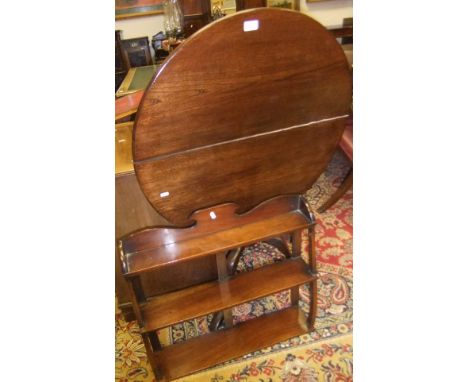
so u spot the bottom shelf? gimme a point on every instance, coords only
(208, 350)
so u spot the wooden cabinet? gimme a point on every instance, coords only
(247, 4)
(136, 52)
(197, 14)
(120, 68)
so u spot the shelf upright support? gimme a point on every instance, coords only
(296, 252)
(313, 284)
(223, 274)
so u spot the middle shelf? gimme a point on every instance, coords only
(186, 304)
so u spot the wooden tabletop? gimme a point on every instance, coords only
(250, 107)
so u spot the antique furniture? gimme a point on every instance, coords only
(159, 53)
(127, 105)
(346, 143)
(159, 248)
(346, 146)
(197, 14)
(226, 139)
(120, 67)
(134, 212)
(248, 4)
(137, 79)
(345, 35)
(136, 52)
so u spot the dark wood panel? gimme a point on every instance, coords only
(133, 212)
(151, 238)
(248, 4)
(244, 172)
(213, 243)
(287, 84)
(178, 276)
(120, 68)
(342, 32)
(119, 61)
(172, 308)
(269, 109)
(201, 352)
(197, 14)
(194, 7)
(193, 24)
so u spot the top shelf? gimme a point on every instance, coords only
(217, 230)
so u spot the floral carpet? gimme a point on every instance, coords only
(322, 355)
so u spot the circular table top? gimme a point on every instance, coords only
(248, 108)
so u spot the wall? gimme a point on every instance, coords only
(140, 27)
(329, 13)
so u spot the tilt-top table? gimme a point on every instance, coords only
(236, 125)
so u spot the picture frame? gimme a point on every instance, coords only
(286, 4)
(137, 8)
(226, 7)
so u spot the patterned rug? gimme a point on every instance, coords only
(322, 355)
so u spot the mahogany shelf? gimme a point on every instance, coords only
(175, 307)
(271, 219)
(220, 231)
(201, 352)
(225, 142)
